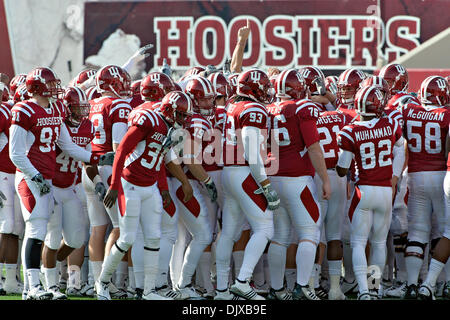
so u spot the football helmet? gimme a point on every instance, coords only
(44, 82)
(21, 94)
(380, 83)
(16, 81)
(220, 84)
(83, 76)
(92, 93)
(254, 84)
(176, 107)
(434, 90)
(348, 84)
(309, 74)
(115, 79)
(289, 84)
(331, 84)
(396, 76)
(77, 105)
(193, 71)
(232, 79)
(369, 101)
(155, 86)
(400, 100)
(201, 91)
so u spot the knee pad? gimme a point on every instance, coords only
(400, 242)
(415, 249)
(125, 241)
(151, 244)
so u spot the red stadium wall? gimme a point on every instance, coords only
(332, 34)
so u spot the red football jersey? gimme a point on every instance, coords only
(218, 119)
(6, 164)
(395, 115)
(106, 111)
(294, 129)
(66, 166)
(135, 101)
(372, 143)
(44, 125)
(239, 115)
(142, 164)
(329, 124)
(426, 130)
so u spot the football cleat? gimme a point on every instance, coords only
(321, 292)
(336, 294)
(245, 291)
(348, 287)
(102, 290)
(226, 295)
(38, 293)
(138, 294)
(260, 289)
(282, 294)
(116, 293)
(303, 293)
(13, 288)
(426, 292)
(446, 290)
(188, 293)
(439, 289)
(73, 292)
(63, 284)
(153, 295)
(365, 296)
(2, 291)
(57, 295)
(398, 290)
(87, 290)
(411, 292)
(24, 294)
(131, 292)
(167, 292)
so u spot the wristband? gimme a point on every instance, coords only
(94, 159)
(207, 180)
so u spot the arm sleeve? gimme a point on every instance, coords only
(399, 157)
(3, 141)
(345, 159)
(119, 129)
(73, 150)
(18, 150)
(252, 140)
(129, 142)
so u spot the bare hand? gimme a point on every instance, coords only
(394, 186)
(166, 198)
(349, 191)
(326, 190)
(244, 32)
(187, 191)
(110, 198)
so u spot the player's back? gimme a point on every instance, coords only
(104, 113)
(287, 120)
(372, 143)
(6, 164)
(329, 124)
(425, 129)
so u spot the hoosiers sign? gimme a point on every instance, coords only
(331, 42)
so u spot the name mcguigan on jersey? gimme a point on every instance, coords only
(426, 115)
(53, 121)
(373, 134)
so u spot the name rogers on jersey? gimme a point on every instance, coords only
(49, 121)
(373, 134)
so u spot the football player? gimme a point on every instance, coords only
(426, 130)
(36, 127)
(136, 173)
(376, 143)
(246, 186)
(297, 155)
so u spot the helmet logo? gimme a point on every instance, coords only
(441, 83)
(400, 69)
(305, 73)
(155, 77)
(379, 94)
(114, 71)
(37, 75)
(255, 76)
(173, 98)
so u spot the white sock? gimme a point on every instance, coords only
(33, 277)
(316, 271)
(96, 268)
(258, 273)
(74, 277)
(306, 253)
(434, 271)
(151, 260)
(291, 276)
(137, 255)
(10, 274)
(447, 270)
(50, 277)
(191, 259)
(424, 269)
(165, 252)
(252, 254)
(347, 261)
(223, 256)
(238, 257)
(360, 267)
(111, 263)
(401, 266)
(121, 274)
(204, 271)
(131, 281)
(266, 269)
(276, 256)
(334, 270)
(413, 265)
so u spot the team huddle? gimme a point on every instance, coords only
(224, 184)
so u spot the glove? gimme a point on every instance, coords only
(2, 196)
(211, 188)
(318, 81)
(107, 159)
(137, 57)
(226, 67)
(271, 195)
(166, 69)
(43, 185)
(100, 190)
